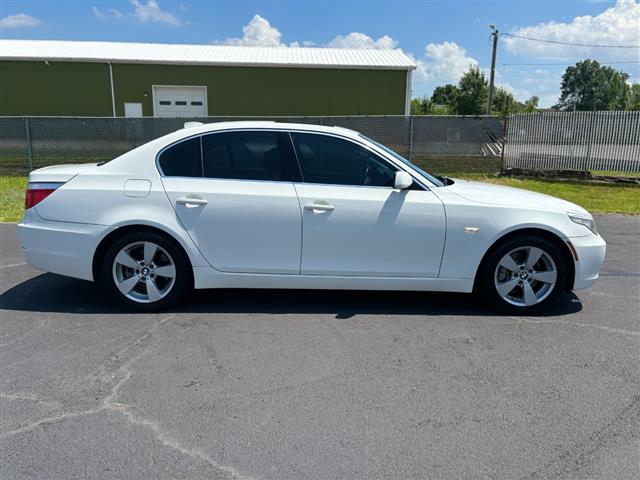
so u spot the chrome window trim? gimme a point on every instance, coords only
(378, 152)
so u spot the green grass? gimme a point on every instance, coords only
(12, 198)
(597, 198)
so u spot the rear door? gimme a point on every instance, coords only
(233, 192)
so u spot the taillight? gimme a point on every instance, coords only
(38, 191)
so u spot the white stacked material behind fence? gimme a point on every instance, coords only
(582, 141)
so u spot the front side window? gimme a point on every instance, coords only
(248, 155)
(331, 160)
(182, 159)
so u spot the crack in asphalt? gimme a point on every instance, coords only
(110, 403)
(620, 331)
(583, 454)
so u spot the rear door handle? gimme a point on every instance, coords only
(321, 207)
(191, 202)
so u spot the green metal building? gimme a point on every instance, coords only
(62, 78)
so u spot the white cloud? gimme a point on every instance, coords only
(151, 12)
(20, 20)
(617, 25)
(109, 13)
(443, 63)
(258, 32)
(361, 40)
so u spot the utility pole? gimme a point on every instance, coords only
(494, 34)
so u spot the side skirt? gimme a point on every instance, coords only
(206, 277)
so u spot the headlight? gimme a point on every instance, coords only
(585, 221)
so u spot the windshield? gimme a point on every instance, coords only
(436, 181)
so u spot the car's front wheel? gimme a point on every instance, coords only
(145, 271)
(523, 275)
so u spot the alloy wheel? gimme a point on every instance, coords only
(144, 272)
(525, 276)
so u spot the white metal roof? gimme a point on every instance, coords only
(116, 52)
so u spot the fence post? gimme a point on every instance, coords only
(27, 130)
(410, 138)
(504, 144)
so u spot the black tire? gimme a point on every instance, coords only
(182, 281)
(488, 276)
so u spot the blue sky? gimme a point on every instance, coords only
(444, 37)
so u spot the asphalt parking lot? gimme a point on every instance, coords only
(320, 385)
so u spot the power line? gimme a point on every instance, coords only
(556, 42)
(564, 64)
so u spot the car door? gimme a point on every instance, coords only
(354, 222)
(233, 193)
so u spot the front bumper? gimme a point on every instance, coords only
(591, 251)
(59, 247)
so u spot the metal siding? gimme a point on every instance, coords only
(82, 89)
(269, 91)
(63, 89)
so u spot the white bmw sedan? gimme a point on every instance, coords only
(274, 205)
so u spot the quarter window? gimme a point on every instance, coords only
(182, 159)
(248, 155)
(331, 160)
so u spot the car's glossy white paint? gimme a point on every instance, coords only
(266, 234)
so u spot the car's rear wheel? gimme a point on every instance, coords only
(523, 275)
(145, 271)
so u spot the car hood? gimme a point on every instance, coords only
(489, 194)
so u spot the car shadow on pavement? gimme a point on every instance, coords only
(56, 294)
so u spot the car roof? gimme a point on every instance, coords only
(264, 124)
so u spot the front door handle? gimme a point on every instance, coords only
(319, 207)
(191, 202)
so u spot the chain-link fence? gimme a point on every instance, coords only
(458, 143)
(581, 141)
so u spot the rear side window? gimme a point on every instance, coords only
(331, 160)
(249, 155)
(182, 159)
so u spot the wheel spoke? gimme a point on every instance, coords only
(505, 288)
(126, 285)
(152, 290)
(533, 257)
(149, 252)
(529, 295)
(545, 277)
(123, 258)
(509, 263)
(168, 271)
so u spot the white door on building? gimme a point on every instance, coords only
(173, 101)
(132, 109)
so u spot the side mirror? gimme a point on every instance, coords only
(403, 180)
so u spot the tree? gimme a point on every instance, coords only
(590, 86)
(420, 106)
(445, 95)
(634, 97)
(473, 90)
(504, 102)
(531, 105)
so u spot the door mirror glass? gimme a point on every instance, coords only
(403, 180)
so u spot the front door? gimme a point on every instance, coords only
(237, 202)
(355, 223)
